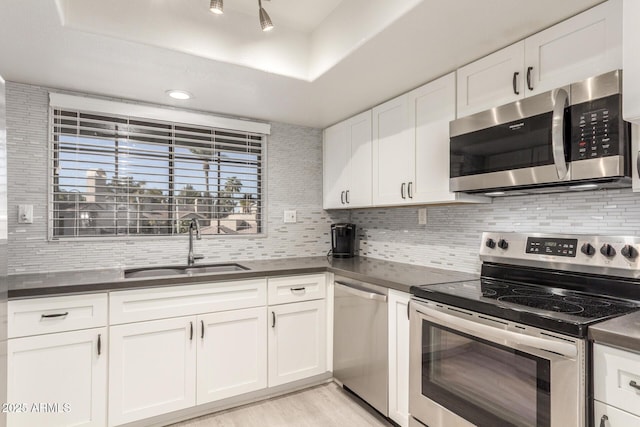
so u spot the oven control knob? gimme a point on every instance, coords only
(629, 252)
(503, 244)
(608, 250)
(588, 249)
(490, 243)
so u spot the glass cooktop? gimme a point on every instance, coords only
(556, 309)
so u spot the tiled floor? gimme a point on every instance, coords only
(325, 405)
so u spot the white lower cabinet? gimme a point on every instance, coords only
(58, 379)
(608, 416)
(399, 357)
(297, 341)
(232, 353)
(152, 369)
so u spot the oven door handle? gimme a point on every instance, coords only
(561, 101)
(500, 335)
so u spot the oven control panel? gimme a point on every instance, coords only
(552, 246)
(608, 255)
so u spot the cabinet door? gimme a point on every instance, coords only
(336, 154)
(488, 82)
(608, 416)
(61, 379)
(152, 369)
(398, 357)
(359, 188)
(297, 341)
(232, 353)
(393, 152)
(583, 46)
(631, 61)
(432, 107)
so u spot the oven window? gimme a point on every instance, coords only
(488, 384)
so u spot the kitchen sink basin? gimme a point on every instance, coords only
(186, 270)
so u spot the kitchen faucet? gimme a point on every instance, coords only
(191, 259)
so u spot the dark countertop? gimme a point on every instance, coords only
(390, 274)
(623, 331)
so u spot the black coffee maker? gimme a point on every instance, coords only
(343, 240)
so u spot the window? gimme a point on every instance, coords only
(125, 176)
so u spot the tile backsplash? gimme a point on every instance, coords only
(450, 239)
(294, 181)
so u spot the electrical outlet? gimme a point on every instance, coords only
(290, 217)
(25, 214)
(422, 216)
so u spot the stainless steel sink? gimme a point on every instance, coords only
(151, 272)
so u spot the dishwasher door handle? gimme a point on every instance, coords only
(361, 293)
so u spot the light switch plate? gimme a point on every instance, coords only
(25, 214)
(290, 217)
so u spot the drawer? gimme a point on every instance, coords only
(184, 300)
(37, 316)
(288, 289)
(608, 416)
(615, 371)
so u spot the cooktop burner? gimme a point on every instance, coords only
(550, 308)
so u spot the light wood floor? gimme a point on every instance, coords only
(321, 406)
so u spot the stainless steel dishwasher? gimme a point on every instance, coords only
(360, 342)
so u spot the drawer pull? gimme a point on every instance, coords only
(51, 316)
(603, 419)
(634, 385)
(293, 290)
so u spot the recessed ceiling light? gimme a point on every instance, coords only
(179, 94)
(216, 7)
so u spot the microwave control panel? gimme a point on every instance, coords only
(596, 128)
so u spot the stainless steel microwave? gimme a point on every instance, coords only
(569, 138)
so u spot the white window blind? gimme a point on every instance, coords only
(122, 176)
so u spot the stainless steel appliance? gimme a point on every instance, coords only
(360, 344)
(343, 240)
(570, 138)
(510, 348)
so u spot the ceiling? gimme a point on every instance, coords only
(324, 61)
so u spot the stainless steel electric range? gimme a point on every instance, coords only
(510, 348)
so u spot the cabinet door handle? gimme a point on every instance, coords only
(634, 385)
(402, 190)
(603, 419)
(191, 331)
(202, 332)
(409, 190)
(408, 308)
(638, 162)
(529, 70)
(515, 83)
(346, 196)
(99, 344)
(51, 316)
(273, 319)
(342, 197)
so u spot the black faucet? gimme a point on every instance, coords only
(191, 259)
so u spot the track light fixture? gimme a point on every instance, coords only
(265, 21)
(216, 6)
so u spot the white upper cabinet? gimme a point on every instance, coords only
(347, 163)
(411, 147)
(631, 62)
(493, 80)
(393, 152)
(583, 46)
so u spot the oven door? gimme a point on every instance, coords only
(525, 143)
(469, 369)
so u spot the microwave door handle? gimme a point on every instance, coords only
(557, 132)
(473, 328)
